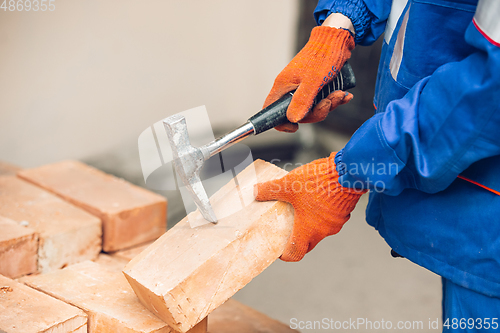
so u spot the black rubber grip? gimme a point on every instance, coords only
(275, 114)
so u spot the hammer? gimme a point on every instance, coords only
(188, 160)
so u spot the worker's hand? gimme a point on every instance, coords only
(313, 67)
(321, 204)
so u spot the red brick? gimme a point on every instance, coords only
(105, 296)
(25, 310)
(18, 249)
(130, 215)
(67, 234)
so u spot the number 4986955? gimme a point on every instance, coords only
(28, 5)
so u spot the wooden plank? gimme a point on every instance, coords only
(187, 273)
(67, 234)
(104, 294)
(25, 310)
(18, 249)
(233, 316)
(7, 169)
(130, 215)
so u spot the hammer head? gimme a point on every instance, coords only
(188, 161)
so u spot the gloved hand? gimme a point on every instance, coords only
(321, 204)
(314, 66)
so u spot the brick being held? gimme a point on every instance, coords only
(189, 272)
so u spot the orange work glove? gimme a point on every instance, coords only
(313, 67)
(321, 204)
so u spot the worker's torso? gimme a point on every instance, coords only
(456, 232)
(420, 36)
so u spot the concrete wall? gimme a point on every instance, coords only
(79, 80)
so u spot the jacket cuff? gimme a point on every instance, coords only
(341, 168)
(355, 10)
(368, 162)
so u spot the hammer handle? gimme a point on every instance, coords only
(275, 114)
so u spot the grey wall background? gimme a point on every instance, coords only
(91, 75)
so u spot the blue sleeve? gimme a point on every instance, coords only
(446, 122)
(367, 16)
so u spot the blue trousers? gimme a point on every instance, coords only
(465, 310)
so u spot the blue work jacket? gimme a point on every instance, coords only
(431, 153)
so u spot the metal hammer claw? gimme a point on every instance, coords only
(188, 160)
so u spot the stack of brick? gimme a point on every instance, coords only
(64, 213)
